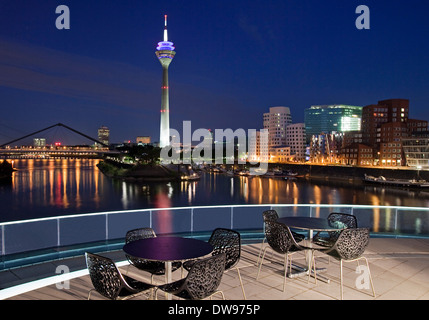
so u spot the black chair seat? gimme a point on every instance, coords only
(202, 280)
(108, 280)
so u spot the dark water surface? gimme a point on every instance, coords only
(46, 188)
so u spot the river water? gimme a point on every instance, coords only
(46, 188)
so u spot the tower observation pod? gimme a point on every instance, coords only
(165, 53)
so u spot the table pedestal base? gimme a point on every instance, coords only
(303, 271)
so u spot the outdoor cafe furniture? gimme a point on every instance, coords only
(167, 250)
(108, 280)
(201, 282)
(280, 239)
(310, 224)
(153, 267)
(350, 246)
(335, 219)
(273, 216)
(225, 241)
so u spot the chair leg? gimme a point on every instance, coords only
(241, 282)
(260, 264)
(370, 277)
(341, 278)
(312, 266)
(221, 292)
(89, 293)
(285, 275)
(260, 251)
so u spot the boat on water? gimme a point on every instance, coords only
(396, 182)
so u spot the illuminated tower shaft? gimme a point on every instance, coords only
(165, 53)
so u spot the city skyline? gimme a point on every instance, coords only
(235, 61)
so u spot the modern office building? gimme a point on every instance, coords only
(325, 148)
(331, 118)
(416, 150)
(276, 122)
(165, 53)
(296, 140)
(258, 149)
(374, 116)
(103, 135)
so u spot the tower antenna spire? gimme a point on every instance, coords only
(165, 29)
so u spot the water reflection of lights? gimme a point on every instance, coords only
(56, 182)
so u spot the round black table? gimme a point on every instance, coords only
(168, 249)
(308, 223)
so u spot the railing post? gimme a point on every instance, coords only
(58, 233)
(107, 227)
(396, 220)
(192, 219)
(3, 247)
(232, 217)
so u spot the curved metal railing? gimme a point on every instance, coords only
(62, 231)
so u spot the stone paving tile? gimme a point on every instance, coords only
(399, 267)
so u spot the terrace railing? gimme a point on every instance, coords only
(71, 230)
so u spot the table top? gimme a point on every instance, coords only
(168, 248)
(308, 223)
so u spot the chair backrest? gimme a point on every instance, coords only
(341, 221)
(348, 220)
(350, 244)
(140, 233)
(104, 274)
(278, 236)
(270, 215)
(205, 276)
(229, 242)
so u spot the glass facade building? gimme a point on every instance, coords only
(332, 118)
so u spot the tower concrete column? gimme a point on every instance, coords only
(165, 53)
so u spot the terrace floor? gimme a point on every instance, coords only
(399, 268)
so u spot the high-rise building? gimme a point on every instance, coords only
(103, 135)
(165, 53)
(276, 122)
(258, 149)
(374, 116)
(296, 139)
(331, 118)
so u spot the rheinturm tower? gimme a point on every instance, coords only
(165, 53)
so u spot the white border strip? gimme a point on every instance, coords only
(37, 284)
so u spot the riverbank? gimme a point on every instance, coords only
(349, 173)
(137, 172)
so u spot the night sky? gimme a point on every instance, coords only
(234, 60)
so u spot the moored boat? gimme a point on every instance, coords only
(396, 182)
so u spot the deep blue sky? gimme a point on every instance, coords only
(234, 60)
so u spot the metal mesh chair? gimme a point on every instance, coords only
(272, 215)
(335, 219)
(201, 282)
(153, 267)
(108, 280)
(224, 241)
(280, 239)
(349, 246)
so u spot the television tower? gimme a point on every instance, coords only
(165, 53)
